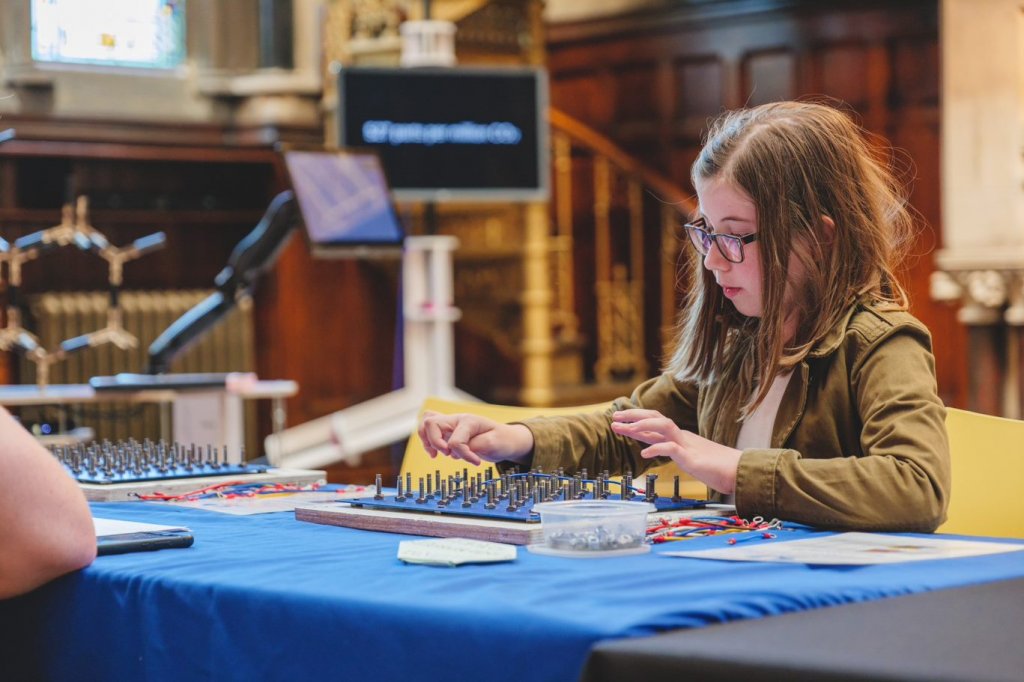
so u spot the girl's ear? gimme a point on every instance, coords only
(829, 233)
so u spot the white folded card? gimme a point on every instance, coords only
(109, 527)
(454, 552)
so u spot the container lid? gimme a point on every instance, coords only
(588, 508)
(596, 554)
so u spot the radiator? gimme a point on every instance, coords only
(57, 316)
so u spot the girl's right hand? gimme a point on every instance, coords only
(475, 439)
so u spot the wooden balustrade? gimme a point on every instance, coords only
(609, 220)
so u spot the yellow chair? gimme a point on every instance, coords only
(418, 463)
(988, 473)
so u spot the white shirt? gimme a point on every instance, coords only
(756, 430)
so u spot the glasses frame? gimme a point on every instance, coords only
(699, 226)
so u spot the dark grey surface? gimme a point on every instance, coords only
(968, 633)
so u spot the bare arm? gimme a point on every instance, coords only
(46, 528)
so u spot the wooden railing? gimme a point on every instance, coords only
(580, 292)
(610, 213)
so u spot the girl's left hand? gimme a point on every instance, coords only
(707, 461)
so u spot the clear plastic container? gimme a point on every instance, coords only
(593, 528)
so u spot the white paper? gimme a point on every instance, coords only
(109, 527)
(454, 551)
(851, 549)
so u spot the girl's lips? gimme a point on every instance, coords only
(730, 292)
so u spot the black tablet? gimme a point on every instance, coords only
(143, 542)
(174, 381)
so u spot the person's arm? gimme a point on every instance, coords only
(587, 441)
(46, 527)
(474, 439)
(580, 441)
(709, 462)
(901, 479)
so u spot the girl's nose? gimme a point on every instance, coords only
(713, 259)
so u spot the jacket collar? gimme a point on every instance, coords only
(831, 341)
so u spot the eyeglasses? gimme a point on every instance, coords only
(729, 245)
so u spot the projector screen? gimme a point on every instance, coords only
(450, 134)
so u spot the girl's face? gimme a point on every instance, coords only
(729, 210)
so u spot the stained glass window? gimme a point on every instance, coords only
(127, 33)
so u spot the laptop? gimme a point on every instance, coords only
(345, 203)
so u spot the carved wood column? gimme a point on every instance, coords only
(261, 64)
(981, 264)
(992, 307)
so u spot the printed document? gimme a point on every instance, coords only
(851, 549)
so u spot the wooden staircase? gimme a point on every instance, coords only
(579, 295)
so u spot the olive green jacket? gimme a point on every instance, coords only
(859, 441)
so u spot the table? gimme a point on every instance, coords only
(269, 597)
(966, 633)
(200, 415)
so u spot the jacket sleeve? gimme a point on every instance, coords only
(586, 440)
(900, 480)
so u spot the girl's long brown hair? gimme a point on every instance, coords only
(798, 162)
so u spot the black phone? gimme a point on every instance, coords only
(142, 542)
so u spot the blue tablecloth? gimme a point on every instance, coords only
(271, 598)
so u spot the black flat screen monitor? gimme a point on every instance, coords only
(450, 134)
(345, 203)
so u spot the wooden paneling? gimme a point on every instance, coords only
(768, 75)
(637, 86)
(698, 86)
(329, 325)
(588, 89)
(880, 58)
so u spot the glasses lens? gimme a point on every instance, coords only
(701, 239)
(732, 247)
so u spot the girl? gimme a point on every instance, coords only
(799, 388)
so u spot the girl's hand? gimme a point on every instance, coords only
(474, 439)
(707, 461)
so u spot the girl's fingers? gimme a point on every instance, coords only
(641, 430)
(467, 454)
(634, 415)
(461, 434)
(432, 431)
(433, 437)
(451, 434)
(421, 431)
(659, 450)
(653, 423)
(463, 452)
